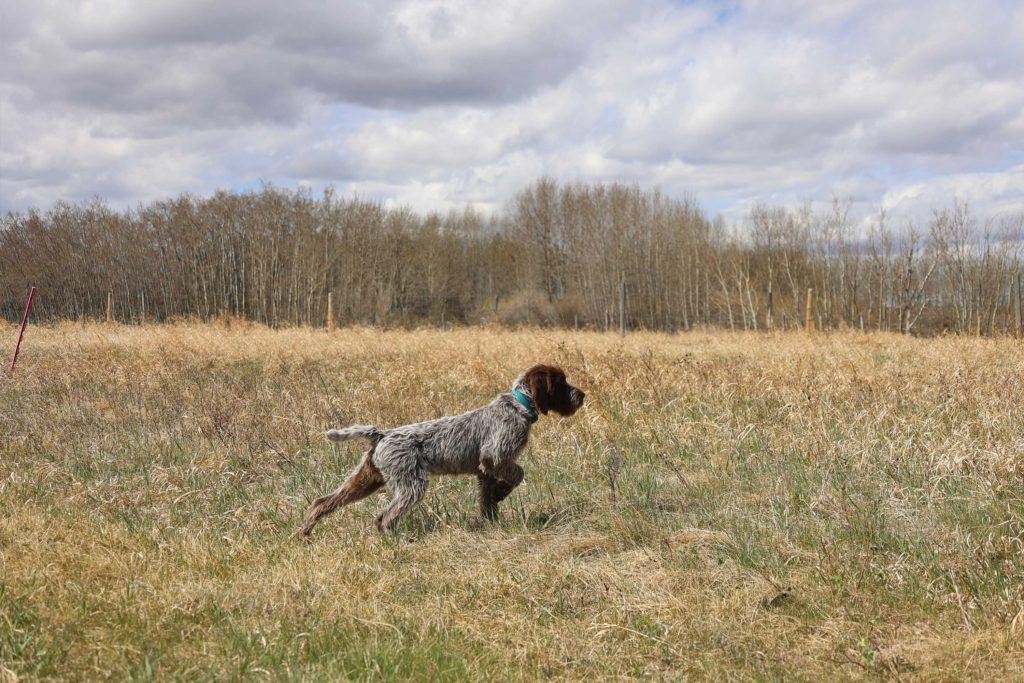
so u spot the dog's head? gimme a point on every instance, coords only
(550, 391)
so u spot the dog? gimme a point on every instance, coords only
(484, 442)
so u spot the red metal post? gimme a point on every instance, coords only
(24, 322)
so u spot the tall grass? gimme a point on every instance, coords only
(727, 505)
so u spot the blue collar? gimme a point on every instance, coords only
(525, 402)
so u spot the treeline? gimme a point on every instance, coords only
(559, 254)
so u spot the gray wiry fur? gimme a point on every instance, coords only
(484, 442)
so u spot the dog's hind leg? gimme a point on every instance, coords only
(409, 490)
(365, 480)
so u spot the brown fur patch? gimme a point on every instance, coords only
(360, 484)
(494, 490)
(550, 390)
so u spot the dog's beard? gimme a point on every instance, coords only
(575, 401)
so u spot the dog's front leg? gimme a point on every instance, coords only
(506, 471)
(499, 474)
(496, 485)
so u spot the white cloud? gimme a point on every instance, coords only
(440, 103)
(996, 194)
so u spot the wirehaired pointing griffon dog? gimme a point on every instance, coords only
(484, 442)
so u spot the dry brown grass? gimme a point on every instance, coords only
(727, 505)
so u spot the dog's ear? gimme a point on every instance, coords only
(544, 386)
(541, 386)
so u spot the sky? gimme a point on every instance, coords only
(440, 104)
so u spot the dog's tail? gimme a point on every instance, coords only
(356, 432)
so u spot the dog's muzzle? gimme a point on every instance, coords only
(576, 398)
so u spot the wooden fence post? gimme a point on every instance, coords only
(808, 314)
(1017, 305)
(24, 322)
(622, 308)
(330, 313)
(110, 306)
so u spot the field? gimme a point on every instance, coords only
(726, 505)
